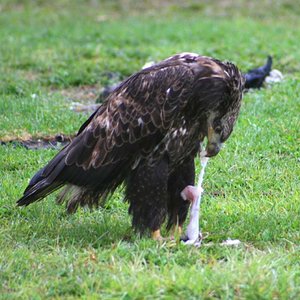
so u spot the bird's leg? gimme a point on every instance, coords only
(182, 176)
(156, 235)
(146, 191)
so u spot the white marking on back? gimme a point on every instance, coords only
(140, 121)
(226, 73)
(148, 64)
(107, 124)
(191, 54)
(182, 130)
(174, 134)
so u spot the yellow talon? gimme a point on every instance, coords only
(156, 235)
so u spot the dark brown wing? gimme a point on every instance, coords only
(136, 115)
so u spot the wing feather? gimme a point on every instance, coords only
(141, 110)
(138, 109)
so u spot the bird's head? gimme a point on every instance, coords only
(218, 131)
(222, 107)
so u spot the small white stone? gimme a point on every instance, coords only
(230, 242)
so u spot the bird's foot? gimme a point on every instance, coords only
(193, 241)
(167, 241)
(156, 236)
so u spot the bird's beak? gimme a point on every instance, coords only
(214, 144)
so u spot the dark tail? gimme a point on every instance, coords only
(255, 77)
(44, 181)
(83, 187)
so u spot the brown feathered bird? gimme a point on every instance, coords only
(146, 136)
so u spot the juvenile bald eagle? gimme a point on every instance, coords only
(146, 136)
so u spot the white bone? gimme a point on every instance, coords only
(193, 231)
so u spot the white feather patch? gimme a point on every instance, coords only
(140, 121)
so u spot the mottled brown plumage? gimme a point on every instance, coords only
(146, 135)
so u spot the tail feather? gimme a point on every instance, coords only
(44, 182)
(83, 187)
(38, 193)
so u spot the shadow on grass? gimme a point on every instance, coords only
(106, 228)
(49, 225)
(102, 233)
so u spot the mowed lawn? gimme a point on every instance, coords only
(52, 55)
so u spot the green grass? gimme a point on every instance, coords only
(51, 49)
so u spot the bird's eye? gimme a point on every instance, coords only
(218, 129)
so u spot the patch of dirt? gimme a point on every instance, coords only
(29, 75)
(88, 97)
(46, 142)
(78, 107)
(86, 94)
(83, 98)
(23, 136)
